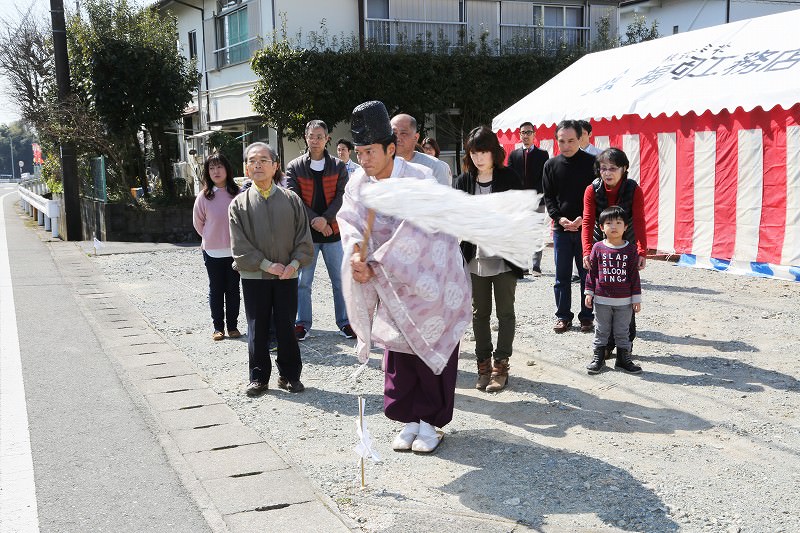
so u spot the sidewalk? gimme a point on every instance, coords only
(234, 479)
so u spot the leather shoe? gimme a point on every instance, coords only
(587, 326)
(256, 388)
(562, 325)
(291, 385)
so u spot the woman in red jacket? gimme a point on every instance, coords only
(612, 187)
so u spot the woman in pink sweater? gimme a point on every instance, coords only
(210, 219)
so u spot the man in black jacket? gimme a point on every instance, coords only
(528, 162)
(565, 179)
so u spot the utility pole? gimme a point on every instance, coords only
(11, 145)
(69, 164)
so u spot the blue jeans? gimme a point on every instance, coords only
(567, 250)
(332, 253)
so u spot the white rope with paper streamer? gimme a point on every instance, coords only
(502, 224)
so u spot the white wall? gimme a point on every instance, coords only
(691, 15)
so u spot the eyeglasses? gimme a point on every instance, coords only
(316, 137)
(262, 162)
(609, 169)
(527, 132)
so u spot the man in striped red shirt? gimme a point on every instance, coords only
(319, 180)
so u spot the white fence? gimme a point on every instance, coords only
(45, 211)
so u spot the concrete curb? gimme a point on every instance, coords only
(239, 480)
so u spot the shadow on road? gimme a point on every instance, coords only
(726, 346)
(721, 372)
(570, 407)
(527, 482)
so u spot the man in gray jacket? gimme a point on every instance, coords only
(271, 241)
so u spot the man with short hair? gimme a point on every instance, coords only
(409, 292)
(405, 129)
(585, 141)
(319, 180)
(565, 179)
(528, 162)
(271, 241)
(343, 150)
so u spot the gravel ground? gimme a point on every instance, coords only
(707, 438)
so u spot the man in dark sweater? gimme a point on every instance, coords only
(319, 180)
(564, 180)
(528, 161)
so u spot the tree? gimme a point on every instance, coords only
(126, 67)
(22, 138)
(466, 83)
(606, 33)
(26, 59)
(638, 31)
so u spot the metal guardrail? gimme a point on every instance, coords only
(45, 211)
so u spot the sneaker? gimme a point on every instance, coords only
(300, 332)
(536, 272)
(291, 385)
(234, 333)
(576, 279)
(428, 438)
(273, 345)
(347, 332)
(256, 388)
(218, 336)
(403, 441)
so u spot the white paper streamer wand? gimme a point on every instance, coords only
(364, 447)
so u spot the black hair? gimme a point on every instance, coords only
(613, 212)
(570, 124)
(587, 127)
(314, 124)
(483, 139)
(346, 143)
(433, 143)
(208, 184)
(527, 124)
(615, 156)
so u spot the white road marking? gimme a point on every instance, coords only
(18, 511)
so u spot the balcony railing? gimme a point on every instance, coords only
(392, 34)
(237, 53)
(520, 38)
(514, 38)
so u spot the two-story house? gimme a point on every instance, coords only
(222, 36)
(678, 16)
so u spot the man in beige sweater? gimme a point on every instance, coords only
(271, 241)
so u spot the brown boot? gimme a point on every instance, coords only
(484, 373)
(499, 378)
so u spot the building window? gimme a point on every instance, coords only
(378, 9)
(674, 30)
(192, 44)
(232, 38)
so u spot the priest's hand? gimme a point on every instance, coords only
(362, 272)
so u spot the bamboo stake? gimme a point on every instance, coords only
(361, 424)
(367, 232)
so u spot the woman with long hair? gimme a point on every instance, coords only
(486, 173)
(210, 218)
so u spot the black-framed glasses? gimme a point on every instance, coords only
(527, 132)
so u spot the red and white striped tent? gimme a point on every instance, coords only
(710, 121)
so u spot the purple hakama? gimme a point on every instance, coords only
(412, 392)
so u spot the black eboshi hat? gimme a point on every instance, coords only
(370, 123)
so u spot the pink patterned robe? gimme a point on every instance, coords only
(419, 301)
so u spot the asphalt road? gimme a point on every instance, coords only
(93, 451)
